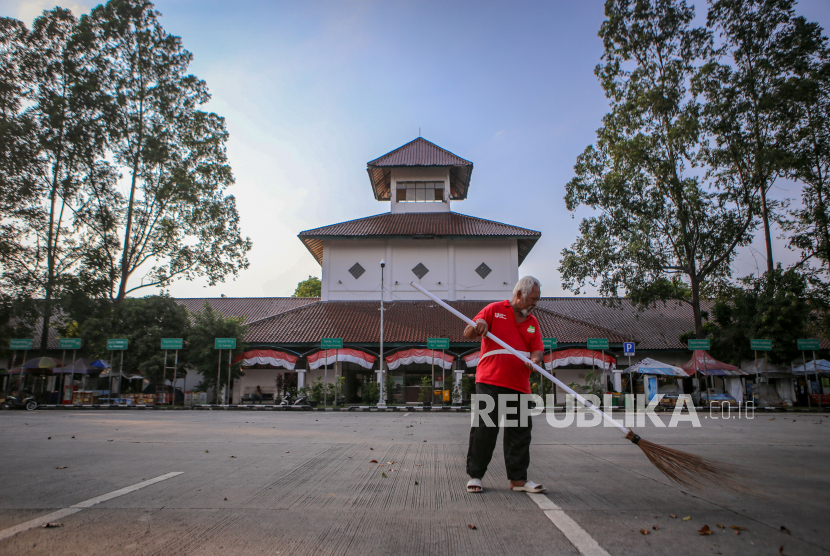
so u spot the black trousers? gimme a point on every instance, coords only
(483, 439)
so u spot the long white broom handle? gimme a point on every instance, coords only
(542, 371)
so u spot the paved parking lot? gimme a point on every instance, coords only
(304, 483)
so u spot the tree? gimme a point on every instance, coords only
(143, 322)
(780, 307)
(207, 326)
(664, 230)
(309, 288)
(176, 221)
(808, 143)
(744, 105)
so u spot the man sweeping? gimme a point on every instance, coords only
(501, 374)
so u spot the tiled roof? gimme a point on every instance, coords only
(250, 308)
(419, 152)
(409, 224)
(656, 327)
(404, 321)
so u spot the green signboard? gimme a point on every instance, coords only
(171, 343)
(698, 344)
(597, 343)
(808, 345)
(224, 343)
(117, 344)
(438, 343)
(69, 343)
(331, 343)
(20, 344)
(760, 345)
(549, 343)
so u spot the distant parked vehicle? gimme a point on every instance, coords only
(14, 402)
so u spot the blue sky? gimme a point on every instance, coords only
(313, 90)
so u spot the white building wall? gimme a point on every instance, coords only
(420, 174)
(451, 264)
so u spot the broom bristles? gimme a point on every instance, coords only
(689, 469)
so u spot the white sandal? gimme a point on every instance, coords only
(529, 486)
(474, 484)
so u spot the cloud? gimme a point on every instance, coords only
(28, 10)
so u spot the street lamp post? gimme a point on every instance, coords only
(382, 400)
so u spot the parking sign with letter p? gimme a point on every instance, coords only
(628, 349)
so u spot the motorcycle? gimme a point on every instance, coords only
(14, 402)
(287, 399)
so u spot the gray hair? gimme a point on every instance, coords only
(525, 285)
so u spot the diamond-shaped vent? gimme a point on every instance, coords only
(420, 270)
(357, 271)
(483, 270)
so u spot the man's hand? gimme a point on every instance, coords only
(477, 331)
(536, 357)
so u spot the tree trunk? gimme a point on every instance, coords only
(767, 237)
(695, 284)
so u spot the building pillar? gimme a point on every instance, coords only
(458, 374)
(301, 373)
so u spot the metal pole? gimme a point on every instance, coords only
(381, 401)
(336, 351)
(604, 380)
(325, 380)
(11, 367)
(630, 379)
(432, 384)
(806, 380)
(111, 373)
(443, 378)
(72, 379)
(121, 375)
(228, 389)
(164, 376)
(818, 382)
(218, 377)
(175, 366)
(23, 374)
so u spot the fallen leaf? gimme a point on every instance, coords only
(672, 515)
(644, 531)
(737, 528)
(48, 438)
(721, 526)
(785, 530)
(655, 527)
(705, 530)
(373, 461)
(62, 467)
(233, 457)
(226, 497)
(416, 482)
(109, 441)
(781, 550)
(737, 532)
(773, 419)
(288, 452)
(371, 448)
(205, 450)
(73, 437)
(390, 462)
(687, 518)
(424, 440)
(473, 527)
(383, 475)
(52, 524)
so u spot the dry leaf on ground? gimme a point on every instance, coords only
(468, 525)
(62, 467)
(687, 518)
(721, 526)
(737, 528)
(51, 524)
(705, 530)
(785, 530)
(672, 515)
(644, 531)
(383, 475)
(373, 461)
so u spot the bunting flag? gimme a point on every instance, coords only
(410, 356)
(472, 358)
(581, 357)
(266, 357)
(349, 355)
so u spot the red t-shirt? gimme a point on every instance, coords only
(504, 368)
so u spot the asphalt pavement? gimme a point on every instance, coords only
(217, 482)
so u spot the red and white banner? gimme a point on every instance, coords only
(472, 358)
(319, 359)
(410, 356)
(581, 357)
(266, 357)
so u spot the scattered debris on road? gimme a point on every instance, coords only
(705, 530)
(51, 525)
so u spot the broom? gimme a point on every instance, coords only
(681, 467)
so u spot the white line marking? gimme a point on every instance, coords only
(405, 414)
(37, 522)
(584, 543)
